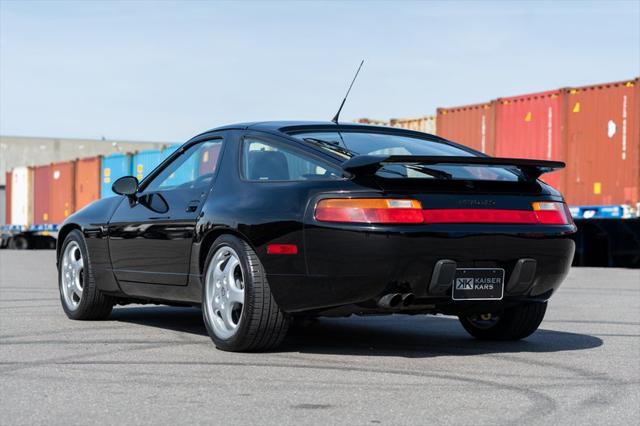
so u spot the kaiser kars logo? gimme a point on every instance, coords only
(464, 283)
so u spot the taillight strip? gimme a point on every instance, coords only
(398, 211)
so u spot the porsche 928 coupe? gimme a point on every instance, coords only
(261, 223)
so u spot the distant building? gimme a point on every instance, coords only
(31, 151)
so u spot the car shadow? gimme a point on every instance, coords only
(392, 335)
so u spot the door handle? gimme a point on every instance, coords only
(192, 206)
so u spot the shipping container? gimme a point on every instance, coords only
(471, 125)
(531, 126)
(87, 181)
(426, 124)
(114, 166)
(22, 186)
(41, 194)
(372, 121)
(62, 200)
(603, 144)
(145, 161)
(7, 198)
(3, 204)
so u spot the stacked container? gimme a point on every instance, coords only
(603, 144)
(114, 166)
(471, 125)
(22, 202)
(41, 194)
(87, 181)
(145, 161)
(62, 200)
(426, 124)
(7, 198)
(531, 126)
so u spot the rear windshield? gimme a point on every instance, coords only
(348, 144)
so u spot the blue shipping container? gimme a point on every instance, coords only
(186, 172)
(600, 212)
(145, 161)
(113, 167)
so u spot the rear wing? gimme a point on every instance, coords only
(530, 169)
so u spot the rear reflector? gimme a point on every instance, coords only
(369, 210)
(383, 211)
(282, 249)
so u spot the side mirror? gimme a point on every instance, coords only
(126, 185)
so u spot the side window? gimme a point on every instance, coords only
(193, 169)
(266, 162)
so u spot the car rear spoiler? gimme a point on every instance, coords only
(530, 169)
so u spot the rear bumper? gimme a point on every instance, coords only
(347, 267)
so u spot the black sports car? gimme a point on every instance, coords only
(261, 223)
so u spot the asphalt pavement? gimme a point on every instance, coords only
(156, 365)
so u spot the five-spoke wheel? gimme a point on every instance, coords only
(225, 291)
(72, 275)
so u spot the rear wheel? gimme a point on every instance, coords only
(239, 310)
(81, 299)
(511, 324)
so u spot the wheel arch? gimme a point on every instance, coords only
(62, 235)
(210, 237)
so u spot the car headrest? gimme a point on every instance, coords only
(268, 165)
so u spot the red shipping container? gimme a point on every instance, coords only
(7, 198)
(471, 125)
(41, 194)
(603, 144)
(62, 191)
(531, 126)
(87, 181)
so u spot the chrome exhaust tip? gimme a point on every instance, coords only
(407, 299)
(391, 300)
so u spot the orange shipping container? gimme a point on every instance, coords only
(62, 193)
(531, 126)
(471, 125)
(603, 144)
(41, 194)
(87, 181)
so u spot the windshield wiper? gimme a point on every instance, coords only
(333, 146)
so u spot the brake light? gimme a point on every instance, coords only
(552, 213)
(369, 210)
(385, 211)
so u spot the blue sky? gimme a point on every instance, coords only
(165, 71)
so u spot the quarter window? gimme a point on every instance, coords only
(193, 169)
(263, 161)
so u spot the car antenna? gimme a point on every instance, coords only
(337, 116)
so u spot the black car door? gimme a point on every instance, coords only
(150, 237)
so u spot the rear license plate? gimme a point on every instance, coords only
(478, 284)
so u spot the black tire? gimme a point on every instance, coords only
(19, 243)
(511, 324)
(93, 305)
(263, 325)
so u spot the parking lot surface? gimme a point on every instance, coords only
(156, 365)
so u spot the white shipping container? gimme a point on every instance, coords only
(426, 124)
(21, 196)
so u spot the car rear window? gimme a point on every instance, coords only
(349, 143)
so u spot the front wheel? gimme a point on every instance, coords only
(239, 310)
(511, 324)
(80, 297)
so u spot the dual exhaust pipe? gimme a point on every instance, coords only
(396, 300)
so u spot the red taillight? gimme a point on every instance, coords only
(380, 210)
(552, 213)
(282, 249)
(369, 210)
(479, 216)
